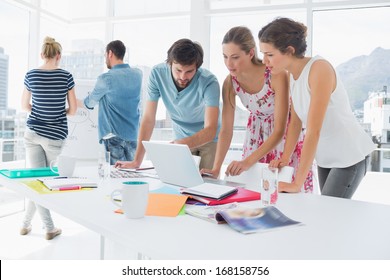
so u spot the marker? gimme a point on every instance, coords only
(69, 188)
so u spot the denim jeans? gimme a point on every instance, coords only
(342, 182)
(39, 152)
(120, 149)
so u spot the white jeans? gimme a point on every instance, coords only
(39, 152)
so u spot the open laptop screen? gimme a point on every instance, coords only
(174, 163)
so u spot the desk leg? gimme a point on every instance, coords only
(102, 240)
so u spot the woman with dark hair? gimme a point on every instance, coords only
(319, 101)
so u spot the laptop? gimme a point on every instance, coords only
(175, 165)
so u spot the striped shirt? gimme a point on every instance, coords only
(49, 89)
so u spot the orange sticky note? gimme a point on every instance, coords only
(161, 204)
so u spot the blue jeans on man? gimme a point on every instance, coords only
(120, 149)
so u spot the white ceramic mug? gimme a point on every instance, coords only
(65, 165)
(134, 198)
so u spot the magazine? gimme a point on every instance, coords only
(208, 212)
(244, 220)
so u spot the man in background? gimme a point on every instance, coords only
(191, 97)
(118, 94)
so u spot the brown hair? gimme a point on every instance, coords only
(117, 47)
(242, 37)
(283, 33)
(185, 52)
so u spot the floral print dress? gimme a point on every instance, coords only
(260, 126)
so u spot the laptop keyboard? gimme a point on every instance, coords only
(116, 173)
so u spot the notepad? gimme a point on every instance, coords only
(61, 183)
(241, 195)
(211, 190)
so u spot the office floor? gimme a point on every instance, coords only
(77, 242)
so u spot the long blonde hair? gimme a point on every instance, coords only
(50, 48)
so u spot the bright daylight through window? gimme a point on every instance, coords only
(350, 35)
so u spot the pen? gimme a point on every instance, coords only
(207, 174)
(69, 188)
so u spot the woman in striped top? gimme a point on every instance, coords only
(48, 87)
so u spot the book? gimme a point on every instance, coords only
(72, 183)
(241, 195)
(241, 219)
(208, 212)
(209, 190)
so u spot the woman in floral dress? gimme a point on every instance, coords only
(267, 100)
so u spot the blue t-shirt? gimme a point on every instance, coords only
(118, 94)
(186, 107)
(49, 90)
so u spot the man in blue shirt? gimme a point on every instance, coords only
(118, 94)
(191, 97)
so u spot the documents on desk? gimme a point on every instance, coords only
(62, 184)
(210, 190)
(244, 220)
(208, 212)
(241, 195)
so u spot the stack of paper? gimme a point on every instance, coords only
(210, 190)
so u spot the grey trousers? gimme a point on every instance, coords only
(342, 182)
(39, 152)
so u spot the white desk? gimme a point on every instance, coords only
(334, 228)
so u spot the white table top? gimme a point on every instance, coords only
(333, 228)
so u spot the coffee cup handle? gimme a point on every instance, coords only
(113, 200)
(52, 167)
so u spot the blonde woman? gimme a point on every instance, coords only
(266, 97)
(47, 88)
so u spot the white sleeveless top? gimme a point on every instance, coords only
(343, 141)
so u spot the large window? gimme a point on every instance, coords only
(339, 30)
(14, 33)
(148, 7)
(355, 41)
